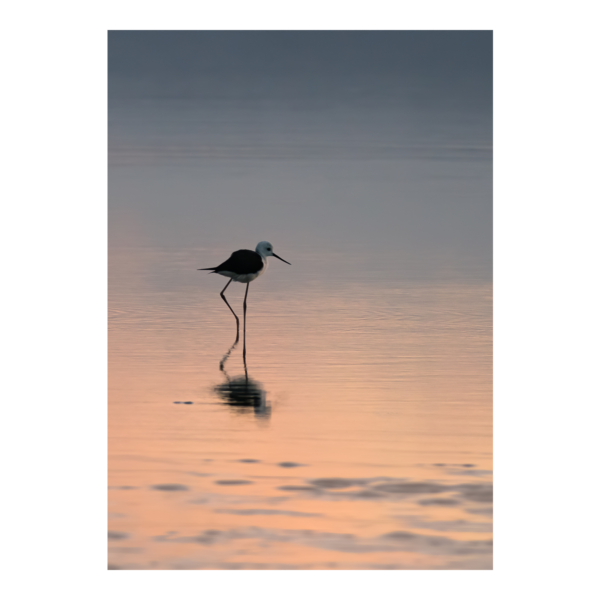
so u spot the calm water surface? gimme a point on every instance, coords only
(361, 437)
(358, 435)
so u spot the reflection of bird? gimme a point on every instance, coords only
(242, 393)
(244, 266)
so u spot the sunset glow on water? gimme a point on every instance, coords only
(358, 435)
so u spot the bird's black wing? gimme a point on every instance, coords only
(241, 262)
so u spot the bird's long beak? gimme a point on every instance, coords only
(279, 257)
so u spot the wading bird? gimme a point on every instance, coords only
(244, 266)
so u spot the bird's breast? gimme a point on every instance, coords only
(246, 278)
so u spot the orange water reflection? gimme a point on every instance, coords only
(358, 436)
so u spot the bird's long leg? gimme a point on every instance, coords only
(237, 321)
(247, 288)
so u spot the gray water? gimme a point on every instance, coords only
(357, 434)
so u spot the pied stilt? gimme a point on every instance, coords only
(244, 266)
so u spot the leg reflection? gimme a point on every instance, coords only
(242, 393)
(226, 356)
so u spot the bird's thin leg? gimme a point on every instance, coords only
(247, 288)
(237, 321)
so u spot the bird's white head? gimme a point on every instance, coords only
(266, 249)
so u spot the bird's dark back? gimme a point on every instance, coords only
(242, 262)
